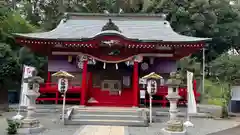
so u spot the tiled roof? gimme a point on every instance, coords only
(149, 28)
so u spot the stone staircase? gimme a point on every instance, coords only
(106, 116)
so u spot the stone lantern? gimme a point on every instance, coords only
(30, 124)
(174, 125)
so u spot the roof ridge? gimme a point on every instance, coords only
(161, 16)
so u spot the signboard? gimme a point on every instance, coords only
(142, 81)
(62, 85)
(235, 93)
(126, 81)
(152, 87)
(142, 94)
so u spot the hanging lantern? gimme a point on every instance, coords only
(104, 65)
(70, 59)
(144, 66)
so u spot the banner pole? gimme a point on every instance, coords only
(203, 71)
(63, 109)
(150, 115)
(187, 97)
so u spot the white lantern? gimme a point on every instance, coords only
(62, 85)
(152, 86)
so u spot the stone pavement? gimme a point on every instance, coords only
(201, 127)
(230, 131)
(100, 130)
(53, 126)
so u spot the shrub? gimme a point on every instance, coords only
(12, 126)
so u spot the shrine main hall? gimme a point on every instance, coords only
(108, 54)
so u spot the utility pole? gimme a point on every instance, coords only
(14, 4)
(2, 3)
(61, 6)
(203, 70)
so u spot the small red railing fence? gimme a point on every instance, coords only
(159, 98)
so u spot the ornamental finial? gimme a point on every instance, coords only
(110, 26)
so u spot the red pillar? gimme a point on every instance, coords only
(48, 79)
(56, 98)
(135, 85)
(84, 83)
(195, 89)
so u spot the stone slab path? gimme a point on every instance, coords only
(101, 130)
(230, 131)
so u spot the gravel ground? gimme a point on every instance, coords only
(49, 121)
(201, 127)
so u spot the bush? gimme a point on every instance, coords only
(218, 93)
(212, 89)
(216, 101)
(12, 126)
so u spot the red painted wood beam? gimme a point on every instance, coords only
(84, 83)
(56, 100)
(53, 99)
(135, 85)
(48, 79)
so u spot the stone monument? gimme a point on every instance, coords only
(30, 124)
(174, 125)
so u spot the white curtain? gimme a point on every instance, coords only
(192, 106)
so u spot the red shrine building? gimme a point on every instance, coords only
(108, 54)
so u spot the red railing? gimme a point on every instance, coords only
(163, 91)
(51, 88)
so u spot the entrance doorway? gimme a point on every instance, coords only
(110, 86)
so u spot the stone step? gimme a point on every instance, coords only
(118, 116)
(106, 112)
(183, 114)
(106, 122)
(104, 116)
(39, 109)
(107, 108)
(107, 116)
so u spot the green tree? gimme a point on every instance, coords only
(10, 69)
(189, 64)
(48, 13)
(9, 73)
(216, 19)
(226, 69)
(12, 22)
(27, 57)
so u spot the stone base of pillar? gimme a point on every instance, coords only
(29, 126)
(166, 132)
(174, 127)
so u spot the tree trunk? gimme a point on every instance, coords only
(3, 99)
